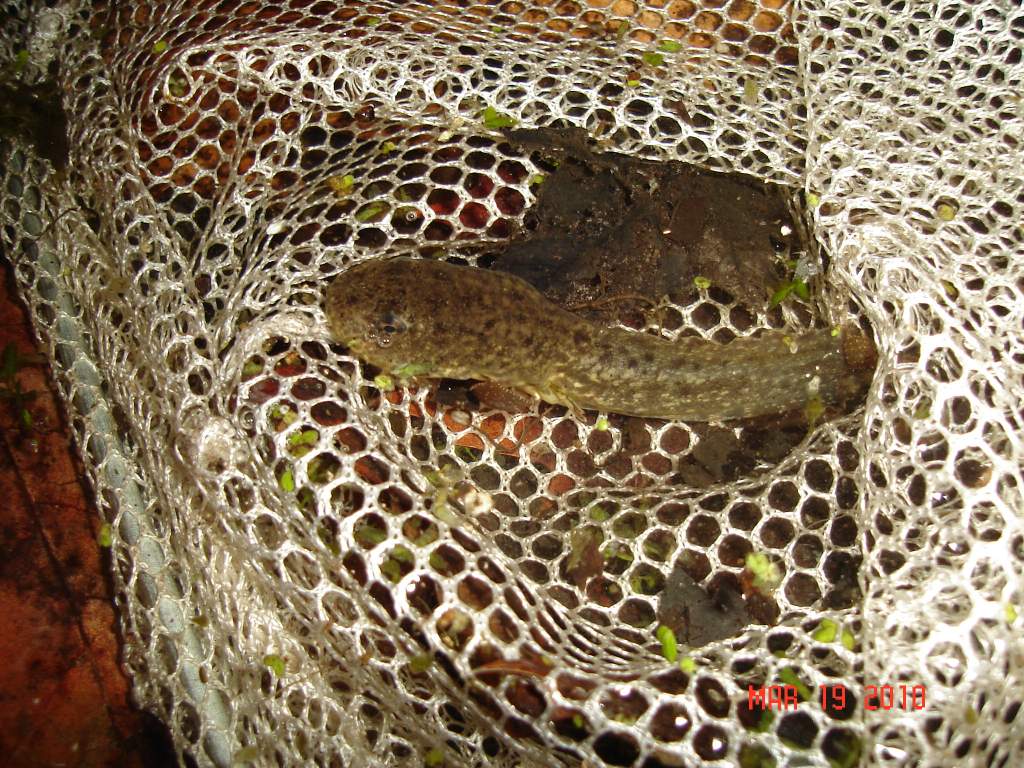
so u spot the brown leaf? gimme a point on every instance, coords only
(522, 667)
(585, 558)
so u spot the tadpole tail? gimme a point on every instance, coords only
(695, 380)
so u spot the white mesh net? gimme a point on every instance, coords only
(313, 571)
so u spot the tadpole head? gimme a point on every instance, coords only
(367, 311)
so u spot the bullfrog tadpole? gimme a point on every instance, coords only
(444, 320)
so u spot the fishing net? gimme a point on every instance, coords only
(315, 568)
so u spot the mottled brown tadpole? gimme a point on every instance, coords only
(419, 317)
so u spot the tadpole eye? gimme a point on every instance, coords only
(390, 324)
(777, 244)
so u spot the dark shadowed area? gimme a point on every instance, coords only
(64, 698)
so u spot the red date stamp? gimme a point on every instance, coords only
(838, 698)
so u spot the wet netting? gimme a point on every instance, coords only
(315, 568)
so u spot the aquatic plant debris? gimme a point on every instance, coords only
(667, 638)
(275, 664)
(495, 120)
